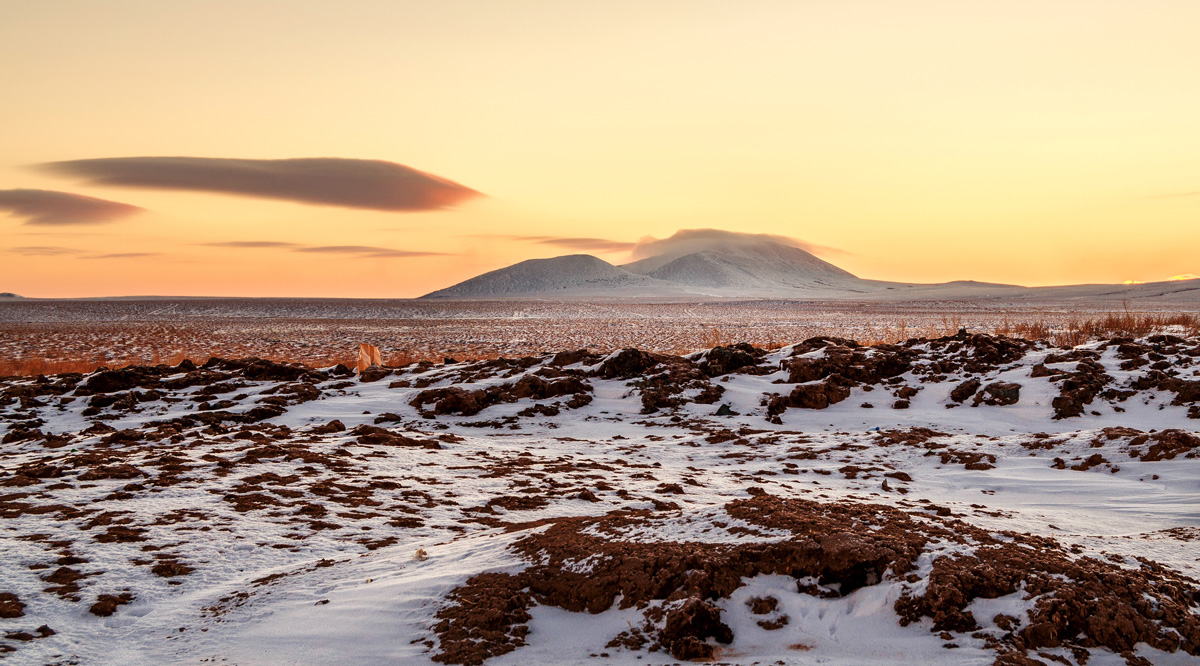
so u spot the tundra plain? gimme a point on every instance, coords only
(600, 483)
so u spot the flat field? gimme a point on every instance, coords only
(50, 335)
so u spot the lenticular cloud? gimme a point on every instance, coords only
(328, 181)
(51, 208)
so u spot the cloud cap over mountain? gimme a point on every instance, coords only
(327, 181)
(52, 208)
(688, 241)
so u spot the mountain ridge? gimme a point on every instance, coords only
(714, 264)
(703, 262)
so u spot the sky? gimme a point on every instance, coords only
(383, 148)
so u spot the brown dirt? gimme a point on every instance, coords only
(834, 542)
(106, 604)
(1082, 602)
(11, 605)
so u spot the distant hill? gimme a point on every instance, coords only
(9, 294)
(569, 275)
(693, 262)
(727, 260)
(712, 264)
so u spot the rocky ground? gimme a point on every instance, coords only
(964, 500)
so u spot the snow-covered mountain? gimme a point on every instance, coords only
(714, 264)
(574, 274)
(703, 262)
(724, 259)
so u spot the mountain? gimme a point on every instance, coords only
(726, 260)
(693, 262)
(575, 274)
(714, 264)
(9, 294)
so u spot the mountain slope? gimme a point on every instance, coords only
(755, 265)
(697, 262)
(575, 273)
(714, 264)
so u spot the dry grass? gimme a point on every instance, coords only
(33, 366)
(900, 330)
(1068, 332)
(118, 338)
(1126, 323)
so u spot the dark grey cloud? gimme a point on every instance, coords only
(250, 244)
(367, 251)
(51, 208)
(591, 244)
(327, 181)
(42, 250)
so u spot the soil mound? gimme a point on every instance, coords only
(831, 549)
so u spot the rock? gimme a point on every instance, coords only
(111, 381)
(11, 606)
(374, 373)
(562, 359)
(818, 395)
(329, 428)
(964, 390)
(626, 363)
(999, 393)
(724, 360)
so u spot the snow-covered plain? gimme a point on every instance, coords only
(245, 527)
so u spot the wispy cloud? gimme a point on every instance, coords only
(42, 250)
(589, 244)
(593, 244)
(1175, 195)
(328, 181)
(52, 208)
(123, 255)
(693, 240)
(251, 244)
(367, 251)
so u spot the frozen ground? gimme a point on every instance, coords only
(736, 505)
(317, 331)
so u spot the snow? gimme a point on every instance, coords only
(714, 264)
(380, 603)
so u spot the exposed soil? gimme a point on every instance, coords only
(1081, 602)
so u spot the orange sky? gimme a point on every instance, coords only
(1021, 142)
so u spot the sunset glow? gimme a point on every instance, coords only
(1022, 142)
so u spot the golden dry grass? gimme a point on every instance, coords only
(1125, 323)
(33, 366)
(177, 343)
